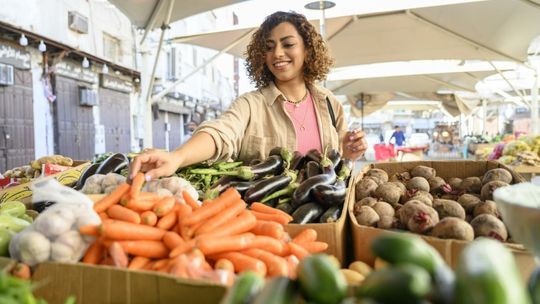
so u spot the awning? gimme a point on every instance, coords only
(487, 30)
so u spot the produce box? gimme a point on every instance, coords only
(449, 249)
(24, 194)
(102, 284)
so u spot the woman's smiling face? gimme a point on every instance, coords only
(285, 53)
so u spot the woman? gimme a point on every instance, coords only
(284, 59)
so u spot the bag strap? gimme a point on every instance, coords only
(331, 111)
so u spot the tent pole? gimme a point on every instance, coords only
(150, 23)
(455, 86)
(148, 106)
(484, 115)
(159, 95)
(508, 82)
(534, 104)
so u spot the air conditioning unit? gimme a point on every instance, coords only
(6, 74)
(88, 97)
(77, 22)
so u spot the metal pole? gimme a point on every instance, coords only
(534, 103)
(484, 115)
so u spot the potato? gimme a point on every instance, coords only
(366, 201)
(449, 208)
(489, 226)
(487, 189)
(453, 228)
(468, 202)
(361, 267)
(487, 207)
(389, 193)
(367, 216)
(423, 171)
(418, 183)
(471, 184)
(379, 175)
(498, 174)
(366, 187)
(352, 277)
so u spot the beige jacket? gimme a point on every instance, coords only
(257, 121)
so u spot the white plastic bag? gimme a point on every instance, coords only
(54, 235)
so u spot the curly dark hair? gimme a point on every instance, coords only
(318, 57)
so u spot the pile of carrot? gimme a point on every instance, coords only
(141, 230)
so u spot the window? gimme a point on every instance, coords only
(111, 48)
(171, 64)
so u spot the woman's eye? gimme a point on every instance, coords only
(288, 45)
(269, 47)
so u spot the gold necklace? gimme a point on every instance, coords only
(302, 127)
(297, 103)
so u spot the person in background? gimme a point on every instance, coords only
(399, 136)
(284, 59)
(190, 128)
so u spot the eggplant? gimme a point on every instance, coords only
(331, 215)
(225, 182)
(111, 163)
(303, 193)
(89, 171)
(275, 151)
(255, 161)
(314, 155)
(307, 213)
(297, 161)
(285, 207)
(42, 205)
(334, 156)
(267, 186)
(312, 168)
(242, 186)
(273, 165)
(331, 195)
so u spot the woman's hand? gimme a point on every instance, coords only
(354, 144)
(154, 163)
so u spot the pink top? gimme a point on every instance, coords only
(305, 124)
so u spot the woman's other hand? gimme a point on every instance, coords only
(154, 163)
(354, 144)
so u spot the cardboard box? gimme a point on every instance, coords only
(102, 284)
(24, 194)
(449, 249)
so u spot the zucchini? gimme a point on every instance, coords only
(245, 288)
(487, 274)
(278, 290)
(307, 213)
(320, 280)
(13, 208)
(405, 284)
(13, 223)
(331, 215)
(534, 286)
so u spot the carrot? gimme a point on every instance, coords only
(266, 243)
(267, 209)
(119, 257)
(213, 245)
(92, 230)
(244, 222)
(118, 212)
(314, 247)
(161, 263)
(179, 266)
(182, 248)
(297, 250)
(172, 239)
(168, 221)
(275, 265)
(112, 198)
(148, 249)
(94, 253)
(138, 262)
(293, 262)
(221, 218)
(119, 230)
(164, 205)
(188, 232)
(224, 264)
(103, 216)
(148, 218)
(139, 204)
(190, 201)
(136, 184)
(278, 218)
(183, 211)
(305, 236)
(268, 228)
(21, 271)
(223, 201)
(243, 262)
(107, 261)
(148, 196)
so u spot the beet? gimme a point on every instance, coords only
(400, 177)
(389, 193)
(487, 207)
(453, 228)
(468, 202)
(498, 174)
(378, 175)
(412, 208)
(367, 201)
(489, 226)
(418, 183)
(471, 184)
(454, 182)
(437, 185)
(449, 208)
(487, 189)
(423, 171)
(367, 216)
(366, 187)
